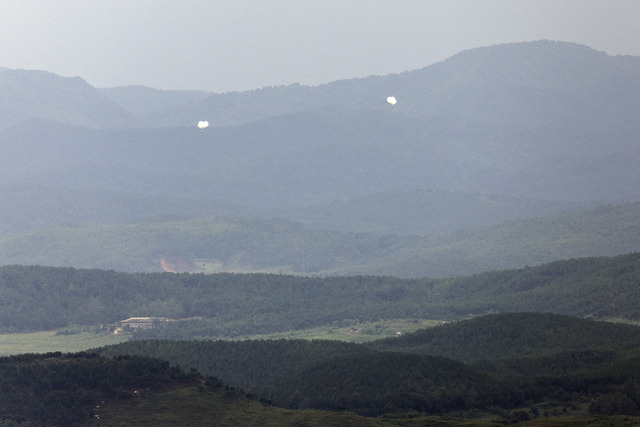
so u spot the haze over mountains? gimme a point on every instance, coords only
(506, 132)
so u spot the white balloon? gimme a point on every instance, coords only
(203, 124)
(391, 100)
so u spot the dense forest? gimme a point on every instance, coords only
(63, 390)
(542, 364)
(522, 374)
(517, 335)
(228, 305)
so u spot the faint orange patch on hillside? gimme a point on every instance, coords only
(173, 265)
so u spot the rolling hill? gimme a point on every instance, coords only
(529, 362)
(511, 336)
(29, 96)
(83, 389)
(237, 305)
(236, 244)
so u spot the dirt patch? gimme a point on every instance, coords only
(174, 265)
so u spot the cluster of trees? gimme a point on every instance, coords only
(64, 390)
(225, 304)
(256, 366)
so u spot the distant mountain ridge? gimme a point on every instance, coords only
(506, 129)
(465, 86)
(29, 96)
(479, 80)
(544, 119)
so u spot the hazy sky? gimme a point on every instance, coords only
(231, 45)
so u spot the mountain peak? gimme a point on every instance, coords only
(37, 94)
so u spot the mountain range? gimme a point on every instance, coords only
(494, 134)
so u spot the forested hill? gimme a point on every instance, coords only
(409, 390)
(81, 389)
(534, 362)
(544, 119)
(510, 336)
(224, 305)
(510, 83)
(233, 244)
(514, 83)
(31, 206)
(31, 96)
(490, 337)
(67, 390)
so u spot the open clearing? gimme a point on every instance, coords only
(48, 341)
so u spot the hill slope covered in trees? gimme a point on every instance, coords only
(506, 362)
(233, 244)
(225, 305)
(82, 389)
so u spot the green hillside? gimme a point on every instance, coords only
(80, 389)
(27, 207)
(304, 374)
(426, 212)
(64, 390)
(31, 206)
(604, 230)
(200, 245)
(221, 243)
(538, 362)
(256, 366)
(511, 335)
(228, 305)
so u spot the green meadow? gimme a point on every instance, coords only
(48, 341)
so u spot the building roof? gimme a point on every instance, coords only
(139, 320)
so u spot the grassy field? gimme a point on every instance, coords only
(201, 407)
(358, 332)
(73, 341)
(48, 341)
(210, 266)
(196, 406)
